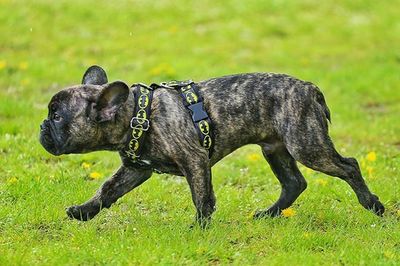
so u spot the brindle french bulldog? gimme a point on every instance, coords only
(285, 116)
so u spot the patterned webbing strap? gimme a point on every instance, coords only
(194, 103)
(140, 123)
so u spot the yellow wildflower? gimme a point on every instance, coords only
(12, 180)
(388, 254)
(289, 212)
(23, 65)
(398, 213)
(85, 165)
(371, 156)
(306, 235)
(251, 215)
(321, 182)
(94, 175)
(3, 64)
(254, 157)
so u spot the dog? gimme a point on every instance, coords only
(286, 117)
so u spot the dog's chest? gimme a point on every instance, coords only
(160, 167)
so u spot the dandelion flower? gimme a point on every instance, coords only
(371, 156)
(289, 212)
(3, 64)
(94, 175)
(12, 180)
(254, 157)
(388, 254)
(85, 165)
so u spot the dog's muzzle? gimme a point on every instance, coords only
(46, 139)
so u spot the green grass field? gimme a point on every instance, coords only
(350, 49)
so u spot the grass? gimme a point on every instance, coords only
(349, 48)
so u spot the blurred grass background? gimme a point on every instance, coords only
(350, 49)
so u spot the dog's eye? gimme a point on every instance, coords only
(56, 117)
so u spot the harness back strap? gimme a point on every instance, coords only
(140, 122)
(202, 122)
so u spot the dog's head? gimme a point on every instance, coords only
(85, 117)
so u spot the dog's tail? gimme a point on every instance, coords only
(320, 99)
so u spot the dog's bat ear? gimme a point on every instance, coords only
(110, 99)
(95, 75)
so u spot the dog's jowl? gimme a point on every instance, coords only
(285, 116)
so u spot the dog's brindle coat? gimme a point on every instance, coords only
(285, 116)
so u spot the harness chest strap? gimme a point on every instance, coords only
(202, 122)
(140, 122)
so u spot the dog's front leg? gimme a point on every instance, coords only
(199, 179)
(123, 181)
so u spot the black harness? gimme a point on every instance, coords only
(140, 122)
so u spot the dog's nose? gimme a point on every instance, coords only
(42, 125)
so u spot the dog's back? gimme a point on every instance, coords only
(259, 107)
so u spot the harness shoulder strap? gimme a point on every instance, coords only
(140, 122)
(194, 103)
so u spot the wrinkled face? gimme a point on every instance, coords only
(70, 126)
(78, 115)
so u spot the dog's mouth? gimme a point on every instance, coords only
(49, 141)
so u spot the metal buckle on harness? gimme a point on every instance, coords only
(143, 124)
(141, 85)
(166, 85)
(132, 155)
(174, 83)
(198, 112)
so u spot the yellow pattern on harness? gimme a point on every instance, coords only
(194, 102)
(139, 123)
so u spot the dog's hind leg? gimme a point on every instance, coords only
(292, 181)
(309, 143)
(325, 159)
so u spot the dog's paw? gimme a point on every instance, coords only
(376, 206)
(79, 213)
(202, 223)
(271, 212)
